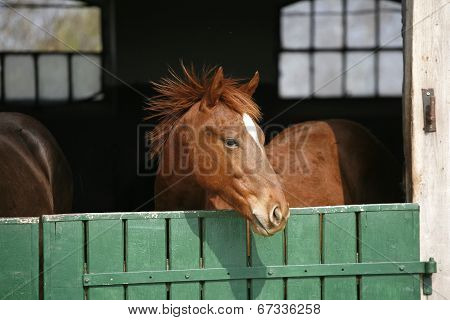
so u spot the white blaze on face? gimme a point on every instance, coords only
(251, 127)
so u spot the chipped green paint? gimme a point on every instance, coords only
(222, 214)
(32, 220)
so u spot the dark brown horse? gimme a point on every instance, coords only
(212, 155)
(35, 177)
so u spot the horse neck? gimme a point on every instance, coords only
(176, 187)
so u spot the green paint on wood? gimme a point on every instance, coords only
(303, 247)
(105, 254)
(146, 250)
(389, 236)
(267, 252)
(22, 221)
(222, 214)
(387, 233)
(263, 272)
(184, 246)
(224, 245)
(339, 246)
(19, 260)
(63, 260)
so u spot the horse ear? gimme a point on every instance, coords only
(251, 86)
(215, 88)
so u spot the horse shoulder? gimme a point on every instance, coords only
(305, 157)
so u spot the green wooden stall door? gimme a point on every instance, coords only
(390, 236)
(224, 246)
(132, 242)
(184, 254)
(105, 253)
(267, 252)
(63, 260)
(303, 247)
(19, 258)
(146, 250)
(339, 246)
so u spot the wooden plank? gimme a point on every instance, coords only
(216, 214)
(427, 65)
(303, 247)
(140, 215)
(146, 251)
(267, 251)
(399, 241)
(225, 245)
(339, 246)
(184, 235)
(105, 254)
(19, 261)
(63, 260)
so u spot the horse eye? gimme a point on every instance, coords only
(231, 143)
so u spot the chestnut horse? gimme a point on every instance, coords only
(35, 177)
(334, 162)
(212, 155)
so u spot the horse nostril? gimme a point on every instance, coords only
(276, 216)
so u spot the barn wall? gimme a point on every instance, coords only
(427, 62)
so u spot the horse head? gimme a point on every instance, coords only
(213, 127)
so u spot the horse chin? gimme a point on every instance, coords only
(258, 228)
(216, 202)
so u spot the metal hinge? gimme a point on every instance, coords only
(429, 110)
(266, 272)
(430, 268)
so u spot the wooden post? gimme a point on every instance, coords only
(427, 66)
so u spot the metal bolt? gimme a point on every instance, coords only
(86, 280)
(270, 273)
(187, 276)
(401, 268)
(428, 93)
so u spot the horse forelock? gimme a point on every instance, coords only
(177, 94)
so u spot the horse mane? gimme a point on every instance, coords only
(177, 94)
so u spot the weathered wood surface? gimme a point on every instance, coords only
(79, 248)
(339, 243)
(146, 250)
(152, 241)
(19, 258)
(224, 245)
(392, 236)
(267, 252)
(303, 247)
(427, 65)
(184, 253)
(64, 260)
(105, 253)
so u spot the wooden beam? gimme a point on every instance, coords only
(427, 65)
